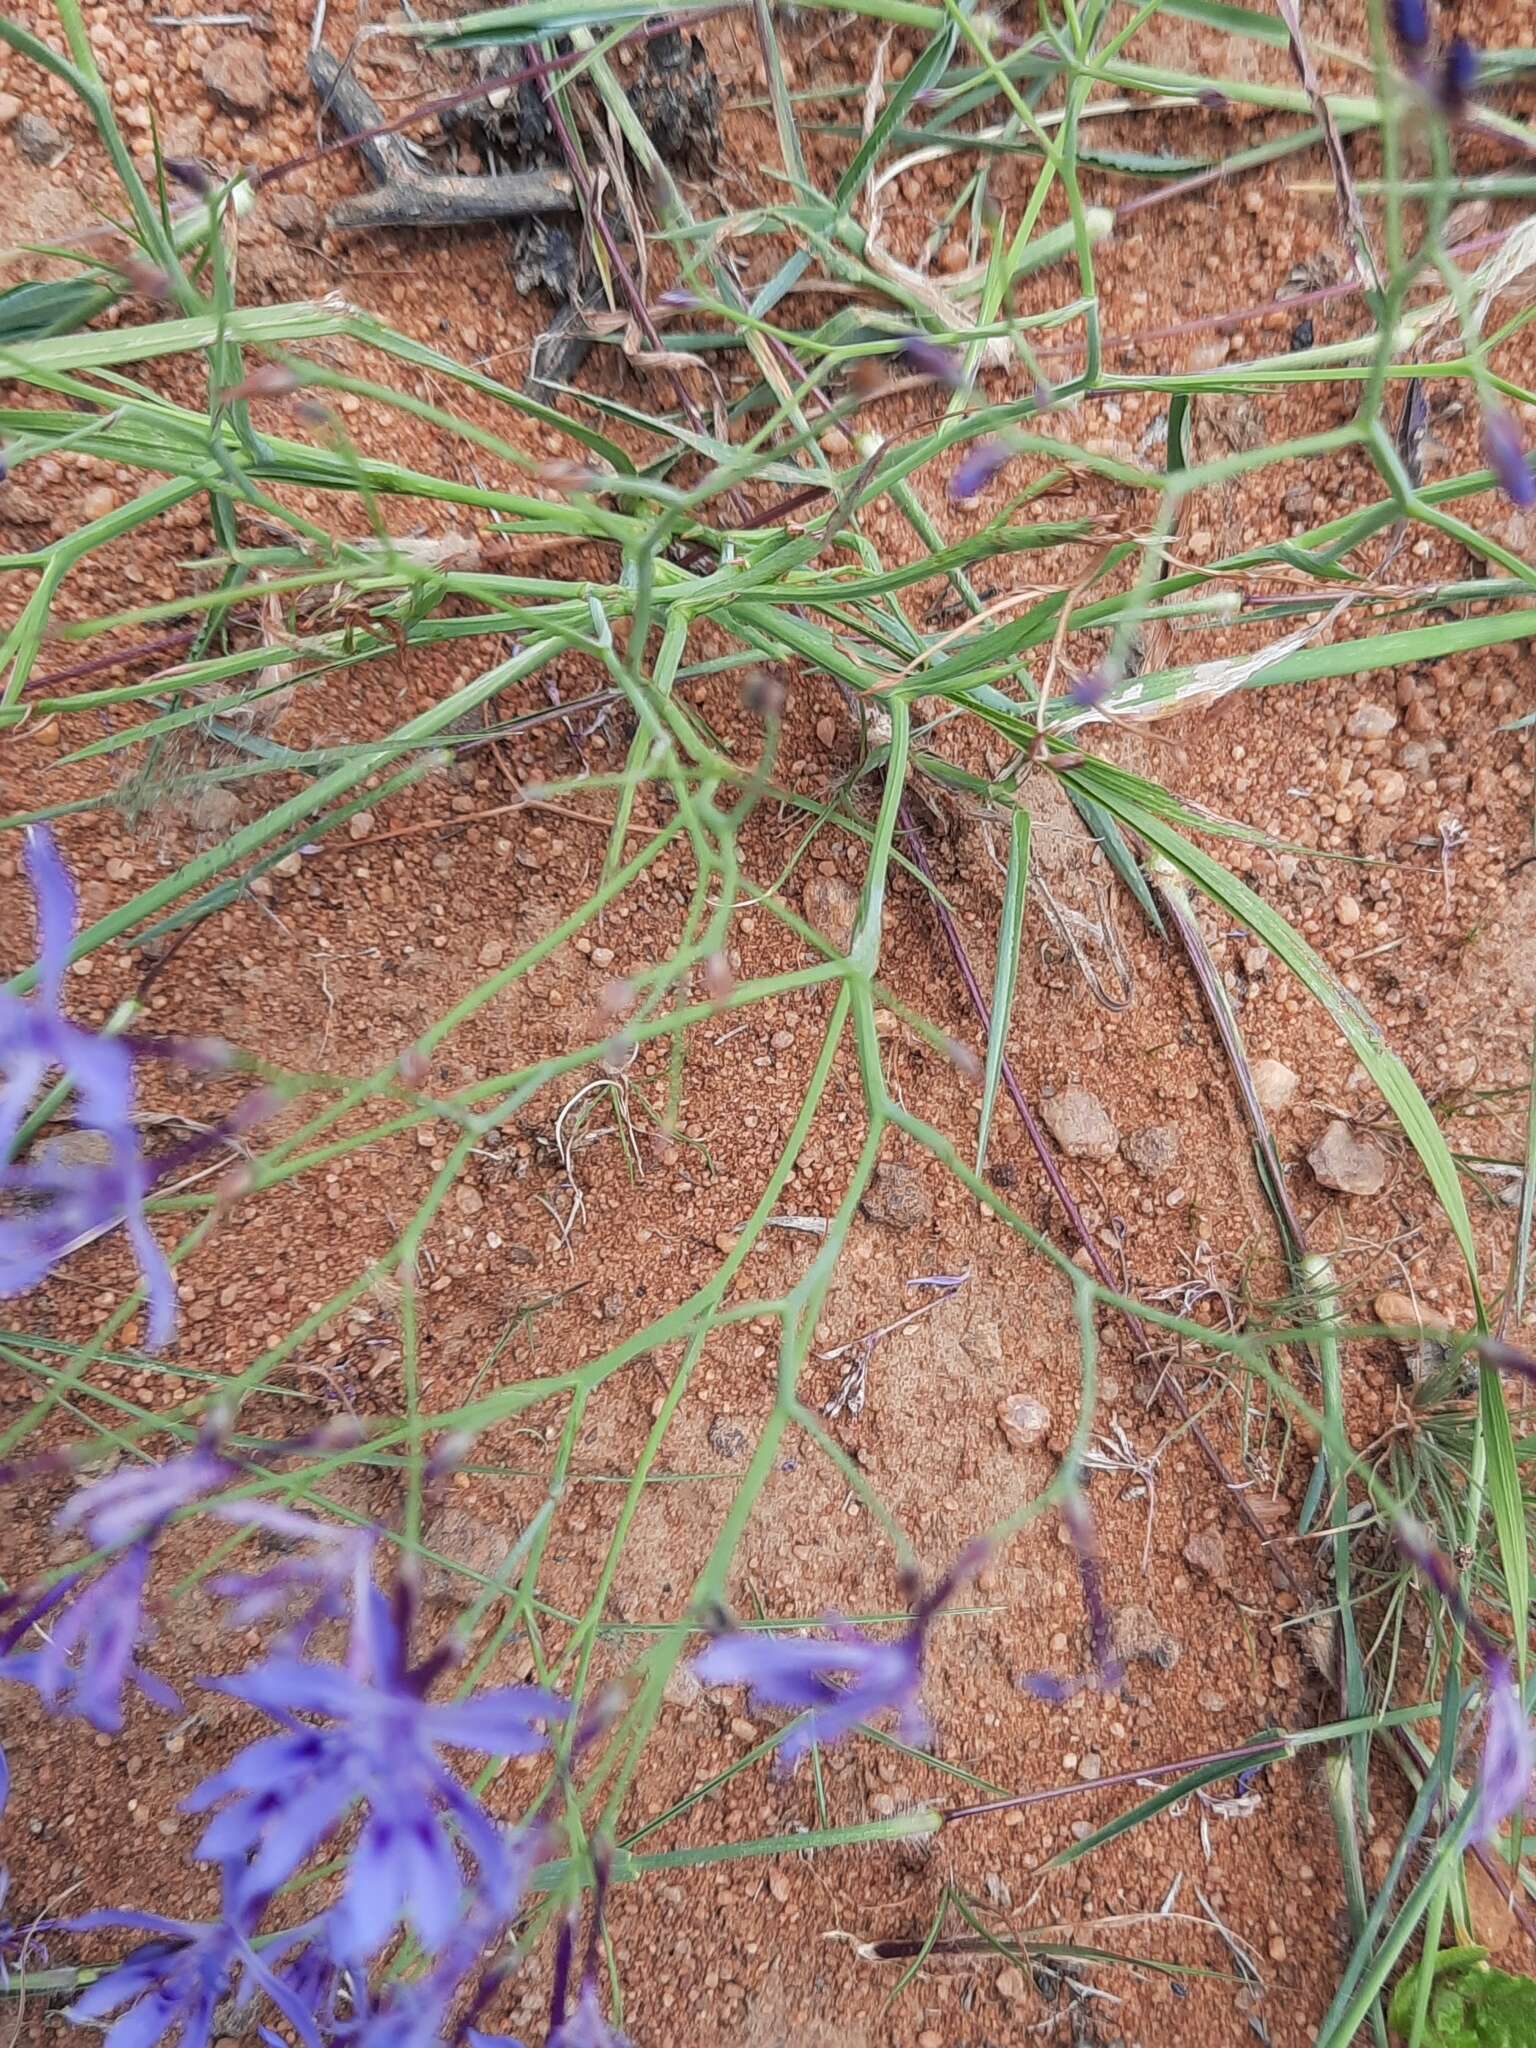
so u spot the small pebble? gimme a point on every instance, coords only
(1206, 1552)
(1371, 722)
(1024, 1421)
(1348, 1164)
(897, 1196)
(1081, 1125)
(1275, 1085)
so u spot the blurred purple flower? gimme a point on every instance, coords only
(680, 299)
(1093, 688)
(927, 359)
(88, 1645)
(311, 1978)
(64, 1203)
(173, 1985)
(134, 1503)
(836, 1683)
(1048, 1687)
(1506, 1358)
(325, 1574)
(1457, 79)
(981, 465)
(1505, 453)
(1076, 1514)
(1110, 1671)
(1410, 24)
(282, 1796)
(186, 170)
(1509, 1755)
(839, 1682)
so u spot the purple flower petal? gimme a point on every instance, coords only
(928, 359)
(1509, 1755)
(56, 912)
(134, 1503)
(834, 1684)
(70, 1202)
(322, 1577)
(1506, 1358)
(1079, 1525)
(499, 1723)
(282, 1796)
(1410, 24)
(1505, 453)
(980, 467)
(1048, 1687)
(1458, 78)
(86, 1658)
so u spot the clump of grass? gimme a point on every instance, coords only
(722, 529)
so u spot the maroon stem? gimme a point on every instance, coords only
(1074, 1215)
(1271, 1751)
(125, 658)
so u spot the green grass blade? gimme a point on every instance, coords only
(1010, 933)
(1386, 1070)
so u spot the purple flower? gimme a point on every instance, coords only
(186, 170)
(1091, 689)
(984, 462)
(282, 1796)
(1506, 456)
(1502, 1357)
(324, 1576)
(680, 299)
(1410, 24)
(927, 359)
(87, 1654)
(1075, 1513)
(1458, 77)
(1047, 1685)
(836, 1683)
(132, 1504)
(172, 1986)
(63, 1203)
(1509, 1755)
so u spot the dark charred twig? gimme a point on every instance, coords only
(484, 89)
(1169, 1379)
(597, 224)
(410, 197)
